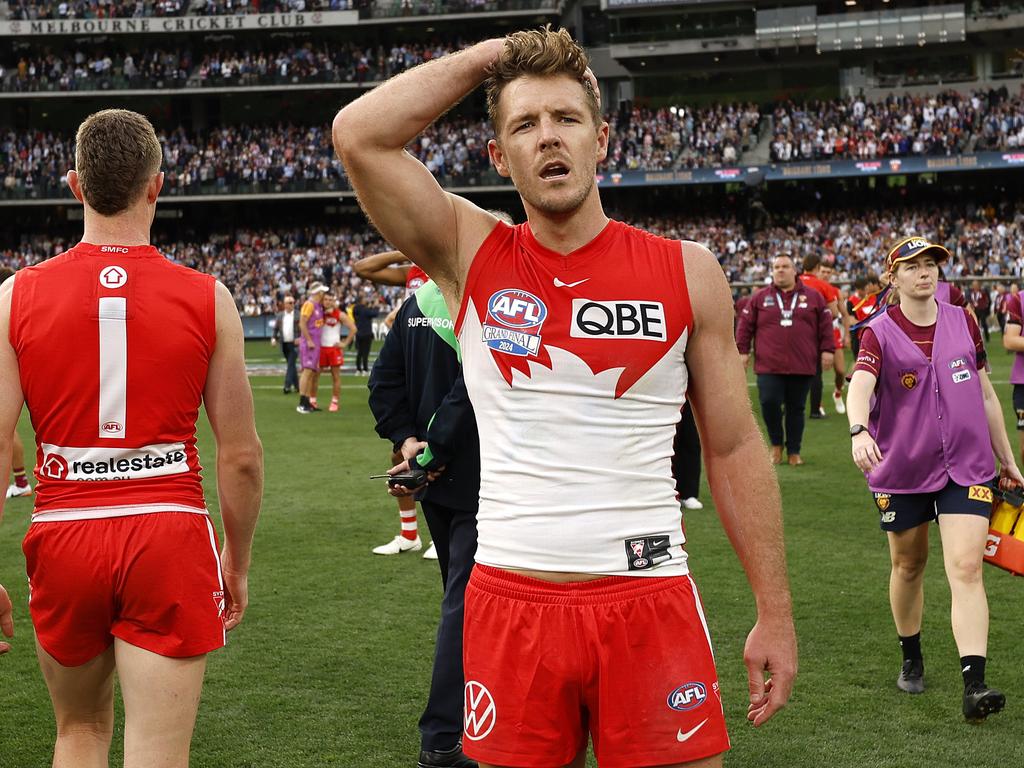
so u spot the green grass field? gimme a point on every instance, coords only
(331, 665)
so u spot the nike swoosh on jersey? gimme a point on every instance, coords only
(681, 737)
(560, 284)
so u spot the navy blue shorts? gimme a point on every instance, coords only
(903, 511)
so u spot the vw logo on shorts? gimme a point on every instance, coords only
(480, 712)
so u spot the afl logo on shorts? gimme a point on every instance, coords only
(687, 696)
(517, 319)
(113, 277)
(480, 712)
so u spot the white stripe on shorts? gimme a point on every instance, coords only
(700, 612)
(220, 575)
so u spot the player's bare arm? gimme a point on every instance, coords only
(742, 482)
(228, 401)
(438, 231)
(1009, 473)
(6, 619)
(349, 323)
(1012, 340)
(387, 268)
(11, 396)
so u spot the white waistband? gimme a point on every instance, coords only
(121, 510)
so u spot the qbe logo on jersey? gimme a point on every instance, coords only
(640, 320)
(517, 319)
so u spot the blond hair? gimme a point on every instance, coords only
(539, 53)
(116, 154)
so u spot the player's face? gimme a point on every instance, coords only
(548, 143)
(784, 273)
(827, 273)
(917, 277)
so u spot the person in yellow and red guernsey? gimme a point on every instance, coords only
(924, 422)
(581, 338)
(121, 554)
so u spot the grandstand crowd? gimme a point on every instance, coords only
(948, 123)
(254, 158)
(285, 63)
(260, 267)
(124, 9)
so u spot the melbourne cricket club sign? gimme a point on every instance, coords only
(172, 24)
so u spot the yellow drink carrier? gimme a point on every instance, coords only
(1005, 546)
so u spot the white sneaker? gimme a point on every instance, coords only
(692, 503)
(18, 490)
(431, 553)
(837, 398)
(398, 545)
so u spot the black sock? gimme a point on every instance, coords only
(304, 401)
(973, 668)
(911, 646)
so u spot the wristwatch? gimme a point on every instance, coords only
(856, 429)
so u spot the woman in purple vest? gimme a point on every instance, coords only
(925, 421)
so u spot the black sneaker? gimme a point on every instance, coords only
(911, 677)
(981, 701)
(448, 758)
(303, 409)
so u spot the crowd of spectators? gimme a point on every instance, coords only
(110, 9)
(259, 267)
(30, 10)
(680, 137)
(947, 123)
(250, 159)
(262, 266)
(322, 61)
(984, 240)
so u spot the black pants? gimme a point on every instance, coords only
(779, 392)
(454, 535)
(290, 350)
(983, 322)
(816, 389)
(686, 456)
(363, 352)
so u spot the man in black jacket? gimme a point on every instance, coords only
(420, 402)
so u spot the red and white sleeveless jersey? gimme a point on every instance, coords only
(414, 280)
(113, 346)
(575, 367)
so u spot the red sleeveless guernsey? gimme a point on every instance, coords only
(113, 346)
(575, 365)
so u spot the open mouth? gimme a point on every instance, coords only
(553, 171)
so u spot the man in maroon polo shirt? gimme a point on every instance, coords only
(790, 329)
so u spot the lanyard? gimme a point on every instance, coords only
(787, 314)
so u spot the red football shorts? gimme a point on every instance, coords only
(330, 357)
(626, 659)
(152, 580)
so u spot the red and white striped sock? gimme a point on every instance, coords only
(409, 527)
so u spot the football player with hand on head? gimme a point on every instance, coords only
(578, 330)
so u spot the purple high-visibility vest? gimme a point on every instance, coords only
(942, 292)
(1013, 304)
(315, 324)
(928, 417)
